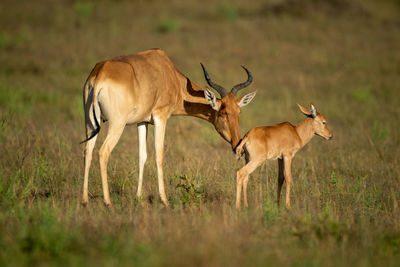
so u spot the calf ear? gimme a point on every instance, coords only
(211, 99)
(246, 99)
(313, 111)
(304, 110)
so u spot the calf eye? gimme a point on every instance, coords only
(324, 122)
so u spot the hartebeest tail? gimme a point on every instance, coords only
(281, 142)
(240, 148)
(89, 86)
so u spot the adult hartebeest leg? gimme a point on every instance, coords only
(88, 159)
(281, 179)
(288, 177)
(241, 176)
(114, 133)
(89, 145)
(142, 135)
(159, 134)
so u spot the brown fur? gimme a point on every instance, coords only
(280, 141)
(146, 88)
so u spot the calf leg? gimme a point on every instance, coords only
(245, 181)
(281, 179)
(243, 175)
(288, 178)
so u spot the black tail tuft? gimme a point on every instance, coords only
(96, 131)
(239, 148)
(238, 144)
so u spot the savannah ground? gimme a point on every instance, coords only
(341, 55)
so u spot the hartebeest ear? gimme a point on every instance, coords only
(246, 99)
(211, 99)
(304, 110)
(313, 111)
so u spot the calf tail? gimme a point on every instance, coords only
(239, 149)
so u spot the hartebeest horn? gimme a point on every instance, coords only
(221, 90)
(239, 86)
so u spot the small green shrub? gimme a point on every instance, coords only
(192, 191)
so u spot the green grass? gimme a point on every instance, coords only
(83, 9)
(343, 57)
(228, 11)
(4, 40)
(168, 25)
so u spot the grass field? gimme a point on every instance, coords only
(341, 55)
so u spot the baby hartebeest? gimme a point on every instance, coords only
(280, 141)
(147, 88)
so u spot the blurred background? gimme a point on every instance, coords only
(341, 55)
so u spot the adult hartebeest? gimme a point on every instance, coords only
(280, 141)
(146, 88)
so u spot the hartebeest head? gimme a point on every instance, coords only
(319, 124)
(227, 108)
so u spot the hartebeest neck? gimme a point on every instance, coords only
(194, 103)
(305, 130)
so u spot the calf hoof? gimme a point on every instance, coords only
(109, 206)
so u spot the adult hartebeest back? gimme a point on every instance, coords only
(146, 88)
